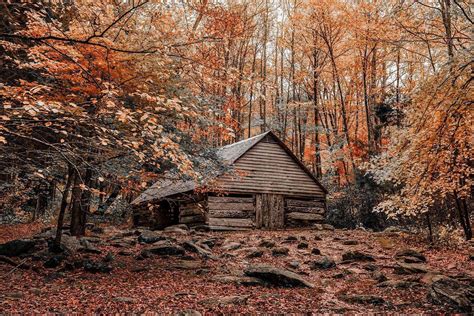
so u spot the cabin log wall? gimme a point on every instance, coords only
(143, 216)
(301, 212)
(231, 213)
(192, 213)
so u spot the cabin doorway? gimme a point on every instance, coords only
(269, 211)
(167, 214)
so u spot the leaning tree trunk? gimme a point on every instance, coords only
(62, 210)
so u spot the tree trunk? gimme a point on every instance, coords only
(446, 16)
(467, 220)
(373, 147)
(366, 100)
(76, 208)
(57, 240)
(463, 216)
(317, 154)
(41, 205)
(81, 204)
(263, 97)
(87, 194)
(251, 92)
(428, 221)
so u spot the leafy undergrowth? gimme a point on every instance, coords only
(11, 232)
(169, 285)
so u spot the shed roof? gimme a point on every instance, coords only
(229, 155)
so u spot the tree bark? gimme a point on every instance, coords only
(430, 230)
(463, 217)
(81, 204)
(251, 92)
(76, 209)
(317, 145)
(62, 210)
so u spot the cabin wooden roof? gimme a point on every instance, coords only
(229, 155)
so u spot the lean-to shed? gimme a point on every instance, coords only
(264, 186)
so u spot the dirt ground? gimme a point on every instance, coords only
(191, 284)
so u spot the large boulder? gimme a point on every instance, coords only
(150, 237)
(193, 247)
(165, 248)
(179, 229)
(53, 262)
(280, 251)
(87, 247)
(315, 251)
(17, 247)
(448, 291)
(70, 243)
(302, 245)
(357, 256)
(322, 263)
(97, 267)
(410, 256)
(253, 252)
(266, 243)
(210, 242)
(231, 245)
(410, 268)
(277, 276)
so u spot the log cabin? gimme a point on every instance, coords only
(264, 185)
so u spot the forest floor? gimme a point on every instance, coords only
(115, 270)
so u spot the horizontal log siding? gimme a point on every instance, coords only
(192, 213)
(230, 212)
(304, 212)
(267, 168)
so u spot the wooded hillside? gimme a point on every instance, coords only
(101, 99)
(98, 100)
